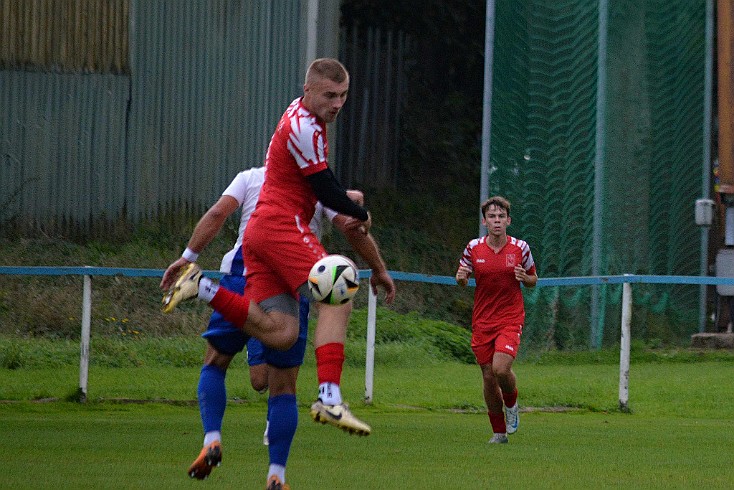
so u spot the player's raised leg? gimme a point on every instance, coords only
(507, 382)
(275, 329)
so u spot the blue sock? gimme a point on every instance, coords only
(212, 397)
(283, 414)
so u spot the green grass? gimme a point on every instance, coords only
(430, 429)
(149, 446)
(674, 382)
(140, 427)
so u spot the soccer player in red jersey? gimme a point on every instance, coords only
(279, 248)
(499, 263)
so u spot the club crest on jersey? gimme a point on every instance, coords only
(510, 260)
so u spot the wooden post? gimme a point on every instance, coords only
(725, 44)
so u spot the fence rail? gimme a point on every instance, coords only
(365, 274)
(625, 279)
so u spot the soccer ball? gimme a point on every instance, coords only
(333, 280)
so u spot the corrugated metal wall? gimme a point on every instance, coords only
(208, 81)
(208, 86)
(63, 147)
(368, 141)
(69, 36)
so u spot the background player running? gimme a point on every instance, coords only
(499, 263)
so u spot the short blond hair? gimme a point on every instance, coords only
(328, 68)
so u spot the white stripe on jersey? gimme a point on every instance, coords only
(466, 256)
(527, 257)
(306, 140)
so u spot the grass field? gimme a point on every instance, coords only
(430, 429)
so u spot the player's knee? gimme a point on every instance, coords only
(501, 372)
(285, 338)
(215, 358)
(259, 377)
(259, 385)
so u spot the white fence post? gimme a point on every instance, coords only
(369, 373)
(624, 347)
(86, 328)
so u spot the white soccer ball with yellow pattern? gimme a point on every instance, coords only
(334, 280)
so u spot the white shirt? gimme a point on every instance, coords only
(245, 189)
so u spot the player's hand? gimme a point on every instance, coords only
(356, 196)
(171, 274)
(383, 279)
(521, 274)
(462, 276)
(353, 224)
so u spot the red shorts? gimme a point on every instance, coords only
(504, 339)
(278, 256)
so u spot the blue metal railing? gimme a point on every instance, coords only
(364, 274)
(625, 279)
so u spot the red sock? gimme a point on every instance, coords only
(510, 398)
(497, 420)
(234, 307)
(329, 362)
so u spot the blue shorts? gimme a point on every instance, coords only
(230, 340)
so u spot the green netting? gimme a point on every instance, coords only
(543, 154)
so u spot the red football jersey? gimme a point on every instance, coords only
(297, 149)
(497, 296)
(279, 248)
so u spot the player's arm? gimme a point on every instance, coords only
(332, 195)
(211, 223)
(206, 229)
(364, 244)
(466, 266)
